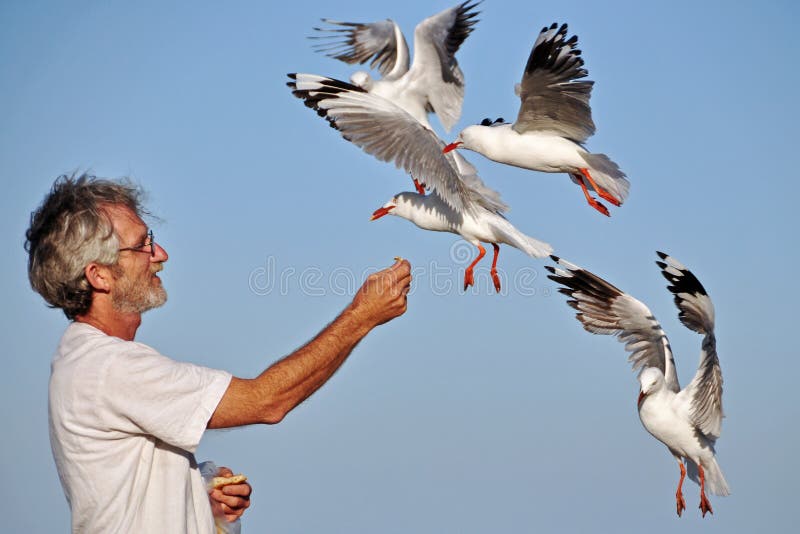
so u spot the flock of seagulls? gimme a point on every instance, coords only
(389, 118)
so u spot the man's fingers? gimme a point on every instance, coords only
(231, 502)
(238, 490)
(400, 266)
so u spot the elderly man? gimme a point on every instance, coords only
(125, 420)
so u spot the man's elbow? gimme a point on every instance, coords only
(273, 415)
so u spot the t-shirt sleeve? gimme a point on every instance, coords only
(147, 392)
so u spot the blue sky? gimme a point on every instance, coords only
(473, 412)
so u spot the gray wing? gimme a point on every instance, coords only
(604, 309)
(479, 192)
(552, 99)
(386, 131)
(435, 69)
(381, 43)
(696, 312)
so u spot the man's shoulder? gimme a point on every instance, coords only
(81, 340)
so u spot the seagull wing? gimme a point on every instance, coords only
(604, 309)
(552, 98)
(435, 70)
(478, 191)
(386, 131)
(696, 312)
(381, 43)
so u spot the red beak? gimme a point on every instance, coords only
(642, 395)
(380, 212)
(452, 146)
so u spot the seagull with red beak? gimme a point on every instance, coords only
(553, 123)
(483, 222)
(688, 421)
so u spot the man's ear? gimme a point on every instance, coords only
(99, 277)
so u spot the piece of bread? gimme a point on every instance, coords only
(218, 482)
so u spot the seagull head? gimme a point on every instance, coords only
(476, 136)
(385, 209)
(362, 79)
(651, 380)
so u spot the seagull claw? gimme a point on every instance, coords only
(599, 207)
(420, 187)
(468, 279)
(705, 505)
(681, 504)
(496, 280)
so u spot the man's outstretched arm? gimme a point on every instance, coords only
(288, 382)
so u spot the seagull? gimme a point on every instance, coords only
(688, 421)
(483, 222)
(432, 83)
(553, 123)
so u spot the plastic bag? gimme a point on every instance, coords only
(209, 470)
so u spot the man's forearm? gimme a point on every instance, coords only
(285, 384)
(288, 382)
(291, 380)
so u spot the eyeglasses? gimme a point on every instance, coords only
(143, 247)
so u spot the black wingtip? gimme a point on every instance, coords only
(292, 75)
(661, 255)
(661, 265)
(550, 269)
(555, 258)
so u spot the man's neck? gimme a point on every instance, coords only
(113, 322)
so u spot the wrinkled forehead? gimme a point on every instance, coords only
(126, 223)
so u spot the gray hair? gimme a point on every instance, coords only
(70, 230)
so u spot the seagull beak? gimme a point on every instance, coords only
(452, 146)
(380, 212)
(642, 395)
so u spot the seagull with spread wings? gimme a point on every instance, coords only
(432, 83)
(688, 421)
(553, 123)
(388, 118)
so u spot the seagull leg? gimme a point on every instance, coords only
(600, 191)
(705, 504)
(420, 187)
(681, 504)
(495, 278)
(592, 202)
(469, 279)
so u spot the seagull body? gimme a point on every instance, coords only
(534, 150)
(482, 224)
(688, 421)
(554, 121)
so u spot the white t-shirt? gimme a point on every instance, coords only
(124, 424)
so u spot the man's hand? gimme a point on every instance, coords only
(383, 295)
(229, 501)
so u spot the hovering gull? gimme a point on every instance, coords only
(433, 83)
(483, 222)
(554, 121)
(688, 421)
